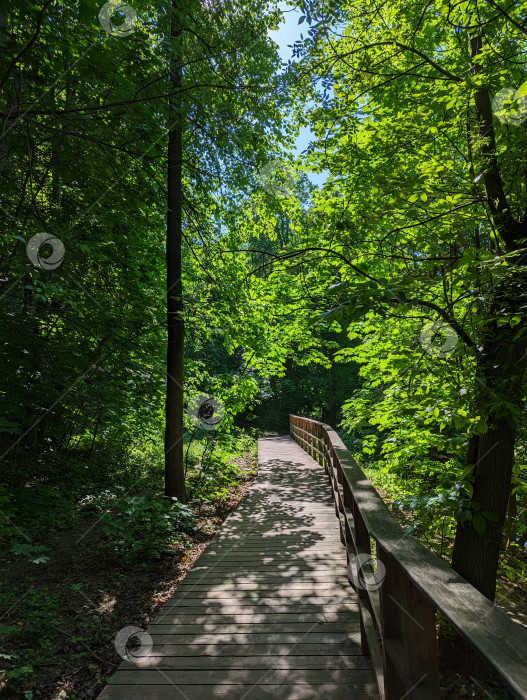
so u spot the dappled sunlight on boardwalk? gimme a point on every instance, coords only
(267, 611)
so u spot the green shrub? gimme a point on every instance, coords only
(144, 526)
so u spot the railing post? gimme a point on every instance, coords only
(394, 688)
(362, 539)
(333, 479)
(411, 659)
(350, 541)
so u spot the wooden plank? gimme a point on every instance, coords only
(320, 615)
(237, 573)
(298, 594)
(292, 542)
(334, 560)
(304, 552)
(298, 638)
(259, 608)
(250, 579)
(183, 677)
(299, 544)
(346, 648)
(309, 542)
(283, 586)
(170, 625)
(287, 661)
(257, 567)
(362, 688)
(250, 585)
(254, 569)
(266, 601)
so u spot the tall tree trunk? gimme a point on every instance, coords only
(500, 372)
(174, 463)
(476, 556)
(499, 375)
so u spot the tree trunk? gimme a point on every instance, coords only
(329, 415)
(500, 373)
(476, 556)
(174, 462)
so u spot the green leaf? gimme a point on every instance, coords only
(42, 559)
(356, 312)
(490, 516)
(521, 91)
(480, 427)
(479, 523)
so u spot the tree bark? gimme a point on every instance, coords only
(174, 462)
(499, 374)
(476, 556)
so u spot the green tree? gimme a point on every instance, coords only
(86, 113)
(427, 204)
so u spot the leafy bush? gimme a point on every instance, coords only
(35, 553)
(40, 614)
(217, 472)
(41, 617)
(144, 526)
(44, 507)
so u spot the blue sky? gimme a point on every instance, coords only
(287, 34)
(289, 30)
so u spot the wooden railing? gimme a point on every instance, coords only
(402, 587)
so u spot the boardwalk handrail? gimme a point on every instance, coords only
(398, 604)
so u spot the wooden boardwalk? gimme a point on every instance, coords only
(267, 611)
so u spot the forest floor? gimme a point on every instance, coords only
(61, 617)
(74, 605)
